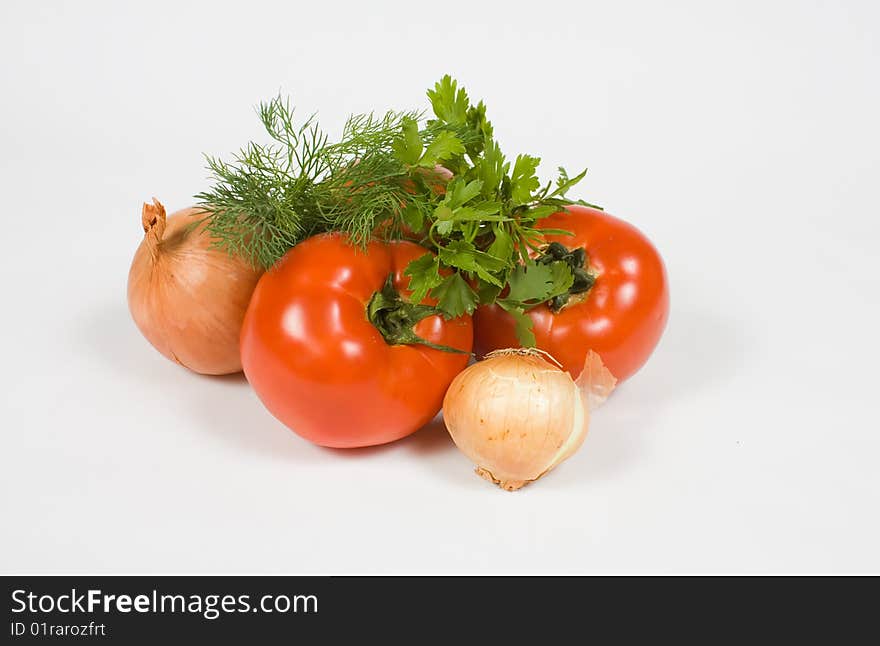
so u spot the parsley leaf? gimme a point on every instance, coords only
(532, 283)
(424, 275)
(463, 255)
(524, 332)
(443, 227)
(491, 168)
(502, 246)
(455, 297)
(479, 212)
(449, 102)
(539, 212)
(487, 292)
(444, 146)
(413, 217)
(564, 183)
(459, 193)
(480, 126)
(524, 180)
(408, 147)
(443, 213)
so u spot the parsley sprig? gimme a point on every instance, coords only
(483, 227)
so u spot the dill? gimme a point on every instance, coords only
(271, 196)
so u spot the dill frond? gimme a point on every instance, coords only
(273, 195)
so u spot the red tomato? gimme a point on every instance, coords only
(318, 363)
(623, 314)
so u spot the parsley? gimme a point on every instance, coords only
(454, 296)
(534, 283)
(483, 226)
(424, 275)
(449, 102)
(444, 146)
(524, 179)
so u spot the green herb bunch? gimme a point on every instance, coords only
(390, 176)
(274, 195)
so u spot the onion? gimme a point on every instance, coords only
(517, 415)
(186, 297)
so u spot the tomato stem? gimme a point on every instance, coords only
(577, 260)
(395, 318)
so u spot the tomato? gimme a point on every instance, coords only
(621, 317)
(321, 366)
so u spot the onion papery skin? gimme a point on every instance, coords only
(187, 298)
(516, 416)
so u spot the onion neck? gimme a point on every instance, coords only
(153, 220)
(395, 317)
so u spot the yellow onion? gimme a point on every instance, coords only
(517, 414)
(186, 297)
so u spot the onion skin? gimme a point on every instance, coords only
(187, 298)
(516, 416)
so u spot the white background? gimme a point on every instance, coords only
(742, 137)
